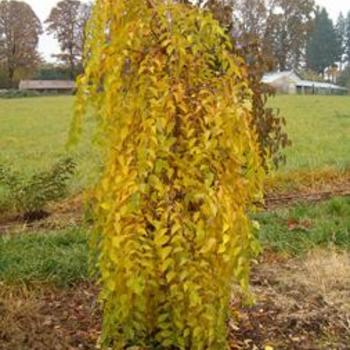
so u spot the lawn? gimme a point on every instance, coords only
(58, 257)
(34, 132)
(319, 127)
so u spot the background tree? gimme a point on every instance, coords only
(322, 49)
(51, 71)
(288, 26)
(250, 18)
(344, 77)
(67, 22)
(19, 37)
(340, 29)
(347, 38)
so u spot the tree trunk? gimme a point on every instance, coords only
(10, 76)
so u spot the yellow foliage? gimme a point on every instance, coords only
(181, 170)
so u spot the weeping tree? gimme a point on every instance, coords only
(248, 23)
(181, 170)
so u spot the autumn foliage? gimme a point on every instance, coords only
(181, 170)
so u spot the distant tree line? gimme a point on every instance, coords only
(284, 34)
(20, 29)
(280, 27)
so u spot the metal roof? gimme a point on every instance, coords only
(47, 85)
(271, 77)
(319, 85)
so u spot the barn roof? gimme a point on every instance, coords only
(273, 76)
(47, 85)
(319, 85)
(269, 78)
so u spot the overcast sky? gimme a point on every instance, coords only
(48, 45)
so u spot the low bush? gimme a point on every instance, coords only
(12, 93)
(30, 195)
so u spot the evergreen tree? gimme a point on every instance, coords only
(322, 48)
(341, 34)
(347, 38)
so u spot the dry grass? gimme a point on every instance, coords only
(306, 181)
(19, 313)
(302, 304)
(327, 272)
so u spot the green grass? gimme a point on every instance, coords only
(34, 134)
(51, 257)
(305, 226)
(319, 127)
(34, 130)
(61, 257)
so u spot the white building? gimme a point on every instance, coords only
(289, 82)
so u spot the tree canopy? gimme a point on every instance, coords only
(67, 22)
(322, 49)
(19, 37)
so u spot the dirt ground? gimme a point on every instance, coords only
(301, 304)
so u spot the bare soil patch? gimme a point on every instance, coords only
(301, 304)
(42, 318)
(58, 215)
(273, 201)
(312, 186)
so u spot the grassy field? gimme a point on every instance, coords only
(319, 127)
(34, 132)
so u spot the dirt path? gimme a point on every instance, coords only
(273, 201)
(301, 305)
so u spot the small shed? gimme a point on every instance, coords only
(65, 86)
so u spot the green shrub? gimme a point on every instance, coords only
(30, 194)
(12, 93)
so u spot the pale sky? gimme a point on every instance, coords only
(48, 45)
